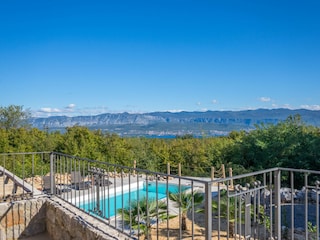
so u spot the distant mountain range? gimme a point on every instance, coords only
(169, 124)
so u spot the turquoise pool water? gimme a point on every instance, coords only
(110, 205)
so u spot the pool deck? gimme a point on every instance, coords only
(121, 184)
(77, 197)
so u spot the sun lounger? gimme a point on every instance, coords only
(100, 178)
(59, 188)
(78, 182)
(102, 182)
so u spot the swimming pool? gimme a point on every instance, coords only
(109, 206)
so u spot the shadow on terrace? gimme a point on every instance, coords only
(70, 197)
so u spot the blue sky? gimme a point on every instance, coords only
(91, 57)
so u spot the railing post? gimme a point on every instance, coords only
(277, 206)
(230, 175)
(212, 173)
(306, 205)
(134, 167)
(223, 171)
(52, 174)
(208, 210)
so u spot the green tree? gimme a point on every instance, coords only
(195, 158)
(4, 141)
(20, 140)
(287, 144)
(118, 150)
(14, 116)
(82, 142)
(186, 202)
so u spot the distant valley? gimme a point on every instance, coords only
(169, 124)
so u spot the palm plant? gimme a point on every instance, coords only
(233, 208)
(186, 201)
(228, 208)
(140, 214)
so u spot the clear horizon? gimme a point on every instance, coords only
(74, 58)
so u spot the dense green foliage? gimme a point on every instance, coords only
(13, 116)
(290, 143)
(140, 215)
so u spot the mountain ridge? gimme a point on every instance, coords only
(196, 123)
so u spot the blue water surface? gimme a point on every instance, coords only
(110, 205)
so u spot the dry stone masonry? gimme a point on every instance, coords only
(26, 218)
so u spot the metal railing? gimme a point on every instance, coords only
(17, 174)
(275, 203)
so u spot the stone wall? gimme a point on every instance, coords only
(27, 218)
(67, 222)
(22, 218)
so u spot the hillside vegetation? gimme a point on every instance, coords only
(290, 143)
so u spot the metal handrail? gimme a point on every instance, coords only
(249, 189)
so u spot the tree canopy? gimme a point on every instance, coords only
(290, 143)
(14, 116)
